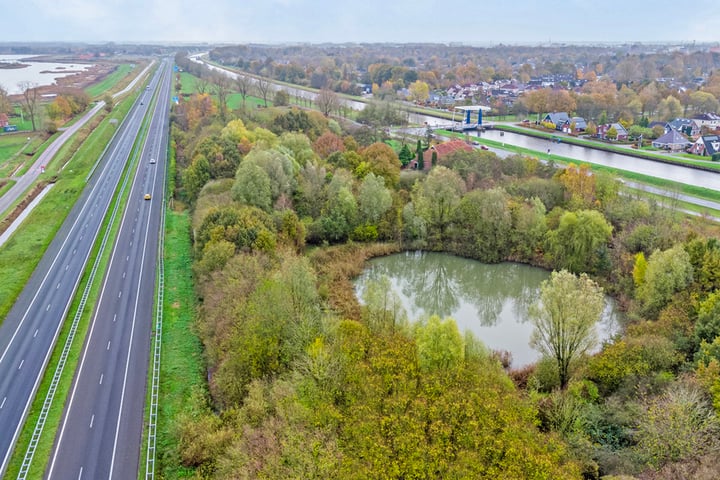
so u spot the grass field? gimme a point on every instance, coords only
(22, 122)
(16, 150)
(110, 81)
(11, 153)
(234, 100)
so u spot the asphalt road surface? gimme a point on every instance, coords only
(31, 328)
(101, 431)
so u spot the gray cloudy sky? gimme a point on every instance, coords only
(273, 21)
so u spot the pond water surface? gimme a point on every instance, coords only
(490, 300)
(40, 73)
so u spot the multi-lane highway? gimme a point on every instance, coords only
(101, 430)
(31, 328)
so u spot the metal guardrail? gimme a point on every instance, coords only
(50, 396)
(155, 382)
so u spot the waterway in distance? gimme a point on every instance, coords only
(676, 173)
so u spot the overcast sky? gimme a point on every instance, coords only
(275, 21)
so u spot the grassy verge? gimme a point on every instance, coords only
(10, 146)
(692, 190)
(699, 164)
(676, 203)
(5, 187)
(181, 368)
(44, 447)
(109, 81)
(15, 151)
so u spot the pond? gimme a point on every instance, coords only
(491, 301)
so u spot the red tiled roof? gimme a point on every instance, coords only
(443, 149)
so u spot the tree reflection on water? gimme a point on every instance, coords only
(440, 283)
(489, 300)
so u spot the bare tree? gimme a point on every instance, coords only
(221, 88)
(30, 100)
(262, 85)
(5, 106)
(243, 84)
(327, 101)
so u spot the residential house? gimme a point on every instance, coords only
(442, 150)
(557, 118)
(685, 126)
(673, 141)
(622, 134)
(709, 120)
(706, 145)
(579, 123)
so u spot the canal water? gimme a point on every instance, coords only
(491, 301)
(675, 173)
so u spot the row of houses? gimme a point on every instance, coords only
(675, 138)
(679, 130)
(564, 123)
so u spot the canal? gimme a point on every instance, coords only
(676, 173)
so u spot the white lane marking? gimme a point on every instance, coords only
(21, 363)
(36, 332)
(74, 250)
(3, 402)
(80, 474)
(67, 266)
(79, 372)
(101, 378)
(48, 307)
(92, 420)
(127, 258)
(131, 243)
(119, 294)
(57, 286)
(115, 317)
(124, 274)
(130, 342)
(108, 346)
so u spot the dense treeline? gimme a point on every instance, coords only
(306, 383)
(341, 67)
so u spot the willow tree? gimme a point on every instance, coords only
(564, 318)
